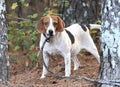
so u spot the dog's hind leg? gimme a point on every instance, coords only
(76, 62)
(94, 52)
(89, 45)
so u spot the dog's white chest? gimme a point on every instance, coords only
(52, 49)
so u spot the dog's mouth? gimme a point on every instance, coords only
(50, 35)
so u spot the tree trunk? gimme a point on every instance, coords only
(4, 63)
(80, 11)
(110, 44)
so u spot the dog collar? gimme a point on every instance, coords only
(48, 39)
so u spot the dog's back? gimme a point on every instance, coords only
(83, 39)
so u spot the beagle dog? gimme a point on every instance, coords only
(66, 42)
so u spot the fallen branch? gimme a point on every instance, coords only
(19, 18)
(107, 82)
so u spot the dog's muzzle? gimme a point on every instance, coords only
(50, 32)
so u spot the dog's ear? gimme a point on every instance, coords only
(61, 25)
(40, 26)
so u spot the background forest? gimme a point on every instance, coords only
(22, 65)
(23, 38)
(22, 17)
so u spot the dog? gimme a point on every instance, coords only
(66, 42)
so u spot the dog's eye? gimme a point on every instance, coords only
(54, 23)
(46, 23)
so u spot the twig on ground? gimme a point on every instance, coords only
(109, 82)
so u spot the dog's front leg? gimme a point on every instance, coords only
(67, 61)
(46, 61)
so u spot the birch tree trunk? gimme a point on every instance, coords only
(110, 44)
(4, 63)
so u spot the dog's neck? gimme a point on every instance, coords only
(53, 38)
(48, 38)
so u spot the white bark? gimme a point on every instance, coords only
(4, 63)
(110, 41)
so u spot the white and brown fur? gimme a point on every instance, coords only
(60, 42)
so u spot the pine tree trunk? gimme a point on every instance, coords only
(80, 11)
(110, 43)
(4, 63)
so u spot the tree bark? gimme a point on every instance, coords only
(80, 11)
(4, 63)
(110, 43)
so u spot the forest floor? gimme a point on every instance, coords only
(22, 76)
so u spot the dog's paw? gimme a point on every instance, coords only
(76, 67)
(66, 76)
(42, 77)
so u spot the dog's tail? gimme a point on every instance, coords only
(93, 26)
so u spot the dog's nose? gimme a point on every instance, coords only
(51, 32)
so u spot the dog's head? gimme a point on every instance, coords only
(50, 25)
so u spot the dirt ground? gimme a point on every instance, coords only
(22, 76)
